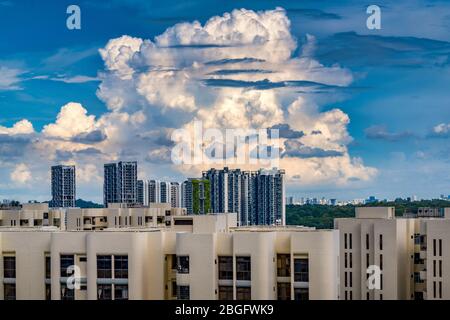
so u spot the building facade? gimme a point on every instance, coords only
(195, 257)
(258, 197)
(120, 182)
(63, 186)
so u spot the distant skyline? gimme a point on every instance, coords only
(361, 112)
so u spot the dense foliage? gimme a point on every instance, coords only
(321, 216)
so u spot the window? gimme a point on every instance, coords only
(66, 293)
(243, 293)
(301, 294)
(440, 289)
(121, 267)
(367, 260)
(301, 270)
(367, 241)
(434, 268)
(345, 279)
(120, 292)
(284, 291)
(440, 247)
(350, 241)
(345, 260)
(104, 291)
(434, 289)
(381, 242)
(104, 267)
(351, 260)
(351, 278)
(48, 267)
(66, 260)
(440, 268)
(225, 292)
(183, 292)
(434, 247)
(9, 291)
(381, 262)
(225, 268)
(243, 268)
(381, 281)
(345, 241)
(183, 222)
(9, 267)
(283, 265)
(174, 261)
(183, 264)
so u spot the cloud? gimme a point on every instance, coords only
(72, 122)
(285, 131)
(9, 78)
(152, 87)
(21, 174)
(294, 148)
(65, 57)
(238, 70)
(75, 79)
(441, 130)
(380, 132)
(21, 127)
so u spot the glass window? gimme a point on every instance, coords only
(243, 293)
(66, 293)
(301, 294)
(183, 264)
(183, 292)
(120, 292)
(284, 265)
(104, 267)
(48, 266)
(9, 291)
(66, 261)
(301, 270)
(284, 291)
(121, 267)
(225, 292)
(226, 268)
(104, 291)
(9, 267)
(243, 268)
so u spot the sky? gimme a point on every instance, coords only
(361, 112)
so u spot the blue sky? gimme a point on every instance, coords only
(397, 101)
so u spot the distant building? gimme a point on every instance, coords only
(371, 199)
(258, 197)
(165, 192)
(142, 192)
(63, 186)
(120, 183)
(175, 194)
(154, 194)
(196, 196)
(290, 200)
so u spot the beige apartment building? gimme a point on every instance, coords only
(412, 255)
(162, 253)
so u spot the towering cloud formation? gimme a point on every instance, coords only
(239, 70)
